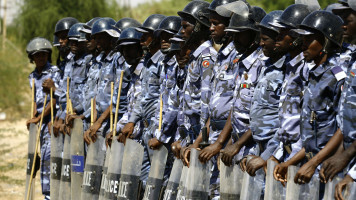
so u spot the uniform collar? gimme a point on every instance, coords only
(44, 71)
(80, 60)
(319, 70)
(227, 50)
(291, 65)
(156, 57)
(139, 67)
(169, 60)
(251, 59)
(278, 64)
(110, 56)
(201, 48)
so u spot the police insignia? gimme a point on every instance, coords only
(206, 64)
(235, 60)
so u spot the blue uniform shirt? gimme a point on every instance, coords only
(320, 103)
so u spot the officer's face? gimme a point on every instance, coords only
(165, 44)
(132, 53)
(91, 44)
(312, 46)
(63, 40)
(284, 41)
(268, 45)
(77, 47)
(244, 39)
(217, 27)
(40, 58)
(146, 39)
(183, 57)
(349, 26)
(187, 29)
(103, 41)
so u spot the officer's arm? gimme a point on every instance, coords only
(330, 148)
(104, 116)
(225, 134)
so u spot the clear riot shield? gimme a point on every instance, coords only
(350, 192)
(93, 169)
(273, 189)
(199, 178)
(104, 180)
(330, 188)
(31, 152)
(310, 191)
(77, 158)
(173, 182)
(155, 177)
(293, 189)
(230, 181)
(181, 190)
(114, 169)
(56, 164)
(252, 186)
(64, 188)
(131, 170)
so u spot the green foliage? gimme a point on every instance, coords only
(38, 17)
(270, 5)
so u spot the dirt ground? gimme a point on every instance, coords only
(13, 157)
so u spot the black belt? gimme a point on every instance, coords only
(146, 122)
(217, 125)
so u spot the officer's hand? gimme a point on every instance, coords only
(48, 84)
(228, 153)
(128, 129)
(108, 139)
(87, 137)
(93, 130)
(185, 155)
(341, 186)
(70, 118)
(207, 153)
(305, 173)
(121, 138)
(255, 164)
(280, 172)
(243, 164)
(67, 129)
(34, 120)
(154, 143)
(332, 166)
(49, 127)
(176, 147)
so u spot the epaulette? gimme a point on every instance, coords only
(338, 73)
(206, 53)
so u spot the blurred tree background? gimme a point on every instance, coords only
(38, 18)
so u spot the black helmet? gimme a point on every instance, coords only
(269, 19)
(216, 3)
(292, 16)
(104, 25)
(175, 46)
(170, 24)
(244, 22)
(196, 10)
(88, 26)
(178, 37)
(75, 32)
(129, 36)
(344, 2)
(38, 44)
(151, 23)
(326, 23)
(55, 41)
(65, 24)
(126, 22)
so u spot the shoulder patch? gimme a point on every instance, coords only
(352, 74)
(206, 63)
(338, 73)
(236, 60)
